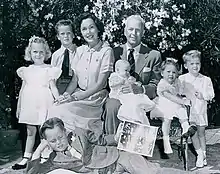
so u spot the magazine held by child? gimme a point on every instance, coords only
(137, 138)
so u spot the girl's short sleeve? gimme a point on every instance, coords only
(54, 73)
(162, 86)
(20, 72)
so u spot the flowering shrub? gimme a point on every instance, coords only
(171, 26)
(165, 28)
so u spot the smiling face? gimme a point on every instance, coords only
(193, 65)
(57, 138)
(38, 53)
(170, 73)
(89, 32)
(134, 31)
(65, 35)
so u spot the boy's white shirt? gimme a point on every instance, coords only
(58, 55)
(73, 151)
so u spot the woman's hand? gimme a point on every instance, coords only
(66, 97)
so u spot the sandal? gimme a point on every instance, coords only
(19, 166)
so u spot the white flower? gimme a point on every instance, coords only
(86, 8)
(148, 25)
(48, 16)
(179, 47)
(174, 7)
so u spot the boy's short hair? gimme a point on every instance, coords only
(120, 62)
(191, 54)
(64, 22)
(169, 61)
(50, 124)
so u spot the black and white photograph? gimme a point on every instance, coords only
(109, 86)
(138, 138)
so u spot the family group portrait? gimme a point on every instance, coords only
(110, 87)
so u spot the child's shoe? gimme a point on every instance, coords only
(200, 158)
(191, 131)
(167, 146)
(205, 162)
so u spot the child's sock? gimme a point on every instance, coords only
(185, 126)
(200, 158)
(25, 160)
(205, 160)
(166, 144)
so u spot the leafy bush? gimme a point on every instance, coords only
(172, 26)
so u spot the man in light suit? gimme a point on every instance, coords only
(145, 64)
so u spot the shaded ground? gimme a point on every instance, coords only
(11, 156)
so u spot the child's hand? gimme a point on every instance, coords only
(43, 144)
(186, 102)
(199, 95)
(40, 149)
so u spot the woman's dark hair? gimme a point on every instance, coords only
(97, 21)
(50, 124)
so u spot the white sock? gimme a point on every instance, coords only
(167, 146)
(25, 160)
(185, 126)
(204, 153)
(199, 152)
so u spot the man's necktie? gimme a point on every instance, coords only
(131, 61)
(65, 65)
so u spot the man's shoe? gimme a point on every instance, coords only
(191, 131)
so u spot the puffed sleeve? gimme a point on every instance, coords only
(115, 80)
(20, 72)
(208, 92)
(54, 73)
(107, 61)
(161, 87)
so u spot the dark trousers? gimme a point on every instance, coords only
(109, 116)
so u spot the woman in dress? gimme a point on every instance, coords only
(93, 62)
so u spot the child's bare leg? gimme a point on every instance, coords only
(166, 140)
(202, 140)
(31, 133)
(184, 124)
(199, 151)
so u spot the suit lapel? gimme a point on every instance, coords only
(142, 59)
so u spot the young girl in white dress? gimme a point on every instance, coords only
(38, 92)
(199, 89)
(170, 103)
(134, 106)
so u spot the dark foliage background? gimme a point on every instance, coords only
(172, 26)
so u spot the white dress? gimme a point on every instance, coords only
(191, 85)
(35, 97)
(166, 108)
(133, 106)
